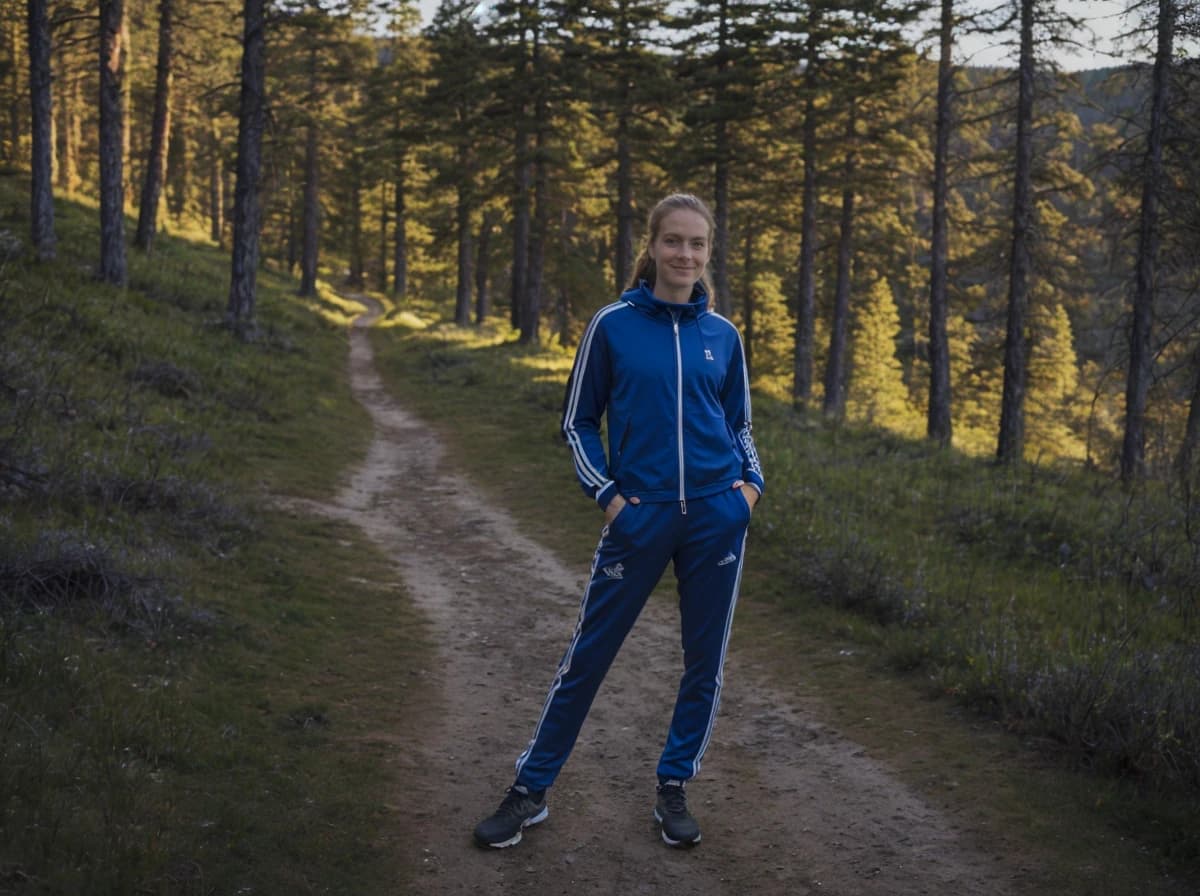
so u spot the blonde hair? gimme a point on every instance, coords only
(644, 268)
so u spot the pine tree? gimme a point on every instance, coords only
(42, 148)
(877, 394)
(112, 128)
(247, 216)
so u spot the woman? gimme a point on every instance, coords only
(678, 483)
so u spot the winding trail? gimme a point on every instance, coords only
(786, 804)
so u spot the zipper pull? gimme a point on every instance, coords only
(683, 508)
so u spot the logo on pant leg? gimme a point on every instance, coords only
(731, 557)
(616, 571)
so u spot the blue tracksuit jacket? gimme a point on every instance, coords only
(673, 381)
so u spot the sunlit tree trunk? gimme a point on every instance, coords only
(41, 199)
(311, 214)
(1011, 441)
(246, 210)
(625, 216)
(938, 423)
(160, 130)
(112, 190)
(1141, 356)
(834, 404)
(310, 220)
(462, 218)
(483, 247)
(802, 372)
(216, 185)
(400, 262)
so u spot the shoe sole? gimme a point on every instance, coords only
(528, 822)
(676, 844)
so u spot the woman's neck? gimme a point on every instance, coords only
(674, 296)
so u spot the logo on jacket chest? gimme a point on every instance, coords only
(708, 355)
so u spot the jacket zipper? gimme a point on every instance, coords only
(679, 412)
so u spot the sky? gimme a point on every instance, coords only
(1102, 16)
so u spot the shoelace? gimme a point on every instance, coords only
(516, 804)
(674, 800)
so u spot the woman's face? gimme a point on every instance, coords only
(680, 250)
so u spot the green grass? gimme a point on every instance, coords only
(193, 680)
(1005, 614)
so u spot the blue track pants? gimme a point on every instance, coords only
(707, 545)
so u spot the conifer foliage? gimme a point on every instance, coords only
(1029, 228)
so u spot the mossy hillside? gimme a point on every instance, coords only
(192, 676)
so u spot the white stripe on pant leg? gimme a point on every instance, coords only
(565, 666)
(712, 716)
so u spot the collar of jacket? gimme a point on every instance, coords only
(642, 297)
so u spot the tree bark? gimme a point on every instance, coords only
(625, 216)
(523, 177)
(462, 293)
(41, 200)
(834, 404)
(531, 316)
(310, 222)
(160, 129)
(749, 303)
(483, 299)
(112, 128)
(1010, 444)
(722, 301)
(385, 220)
(246, 211)
(802, 365)
(938, 425)
(400, 262)
(1141, 357)
(216, 185)
(356, 261)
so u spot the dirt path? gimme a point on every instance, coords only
(786, 805)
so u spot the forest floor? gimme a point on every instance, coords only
(787, 804)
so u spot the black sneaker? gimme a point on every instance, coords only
(520, 808)
(671, 811)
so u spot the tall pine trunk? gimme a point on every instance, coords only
(400, 262)
(41, 198)
(522, 180)
(356, 260)
(749, 303)
(531, 314)
(483, 246)
(311, 213)
(462, 218)
(160, 129)
(112, 128)
(938, 425)
(834, 404)
(722, 301)
(625, 222)
(247, 213)
(1010, 445)
(1141, 356)
(216, 185)
(802, 361)
(385, 220)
